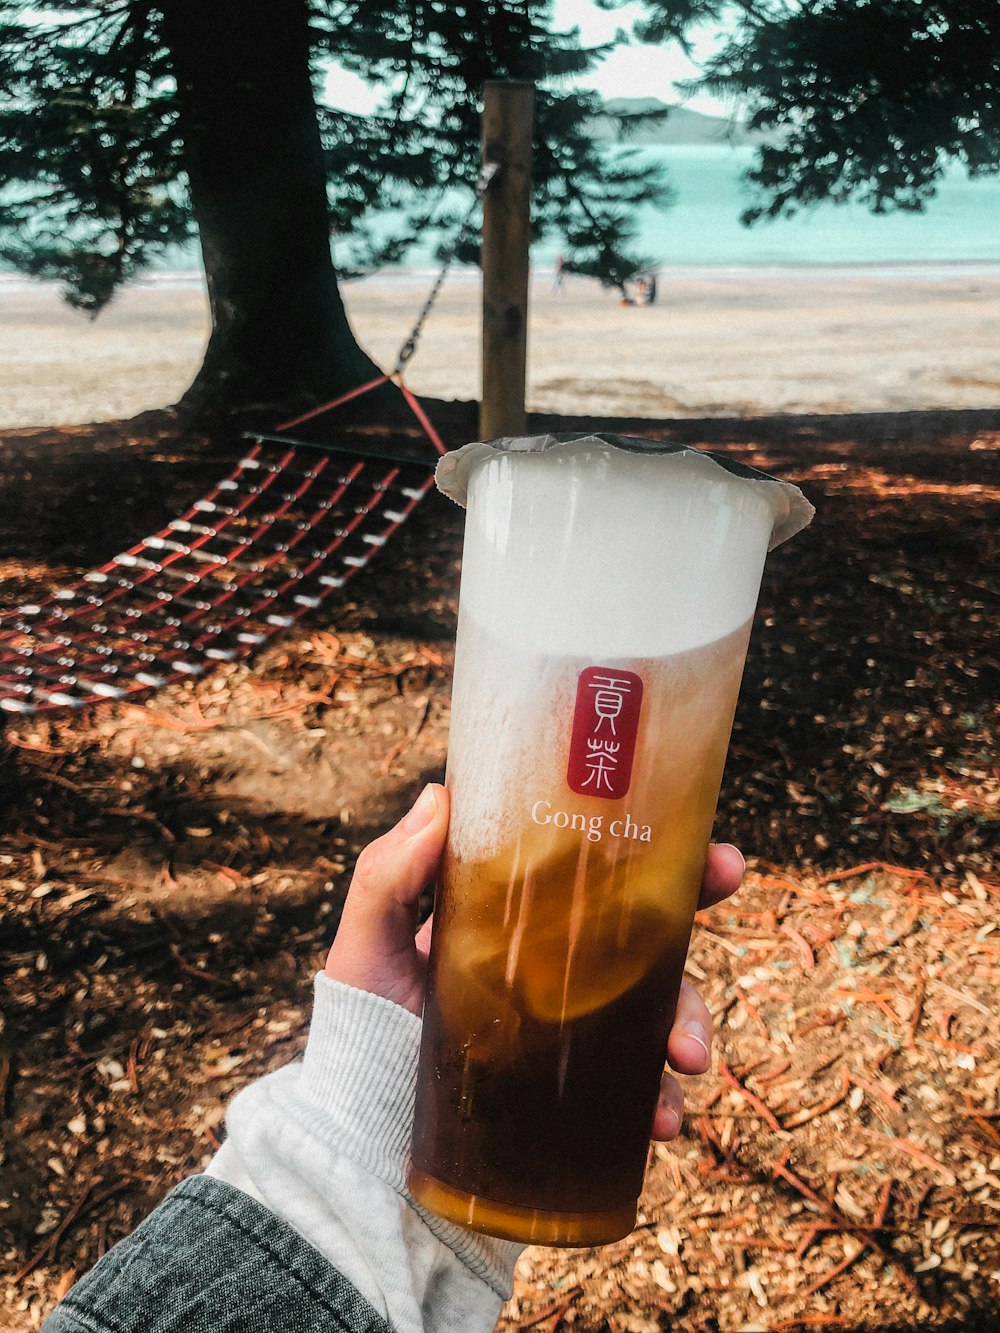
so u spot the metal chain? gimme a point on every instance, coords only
(486, 174)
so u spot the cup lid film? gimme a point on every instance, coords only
(790, 509)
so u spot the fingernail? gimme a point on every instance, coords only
(422, 811)
(732, 848)
(697, 1033)
(671, 1122)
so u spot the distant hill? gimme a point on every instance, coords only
(680, 127)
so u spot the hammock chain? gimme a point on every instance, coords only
(487, 173)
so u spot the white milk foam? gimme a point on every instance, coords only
(599, 553)
(508, 708)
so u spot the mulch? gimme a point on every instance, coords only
(839, 1167)
(172, 870)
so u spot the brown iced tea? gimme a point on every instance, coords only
(562, 923)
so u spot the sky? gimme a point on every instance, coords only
(636, 70)
(630, 71)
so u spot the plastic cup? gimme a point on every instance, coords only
(608, 587)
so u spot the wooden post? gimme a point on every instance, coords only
(508, 125)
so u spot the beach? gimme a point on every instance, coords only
(743, 342)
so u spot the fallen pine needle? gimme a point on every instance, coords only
(812, 1112)
(876, 1090)
(802, 944)
(868, 867)
(88, 1199)
(834, 1272)
(554, 1310)
(772, 1074)
(826, 1021)
(919, 1155)
(962, 997)
(918, 1009)
(814, 1321)
(745, 1092)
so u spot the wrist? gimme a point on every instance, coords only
(356, 1091)
(353, 1034)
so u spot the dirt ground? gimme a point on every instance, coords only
(171, 873)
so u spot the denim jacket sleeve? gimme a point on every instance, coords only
(210, 1259)
(303, 1218)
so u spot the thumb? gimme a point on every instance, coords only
(374, 949)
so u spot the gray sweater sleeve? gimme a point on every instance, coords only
(212, 1260)
(303, 1219)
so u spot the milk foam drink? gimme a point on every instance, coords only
(608, 586)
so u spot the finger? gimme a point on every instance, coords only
(669, 1110)
(689, 1048)
(379, 918)
(422, 940)
(398, 866)
(723, 875)
(392, 872)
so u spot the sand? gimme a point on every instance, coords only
(718, 342)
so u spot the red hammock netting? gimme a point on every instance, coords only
(270, 542)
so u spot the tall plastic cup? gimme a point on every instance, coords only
(608, 586)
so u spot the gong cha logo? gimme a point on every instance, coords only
(605, 729)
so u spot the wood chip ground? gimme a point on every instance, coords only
(171, 873)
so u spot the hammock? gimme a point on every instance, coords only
(289, 526)
(269, 543)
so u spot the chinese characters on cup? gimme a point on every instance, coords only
(605, 727)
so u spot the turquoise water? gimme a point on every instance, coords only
(961, 224)
(702, 228)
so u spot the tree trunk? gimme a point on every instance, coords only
(280, 335)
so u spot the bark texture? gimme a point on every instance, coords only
(280, 335)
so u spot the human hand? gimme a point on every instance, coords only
(378, 947)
